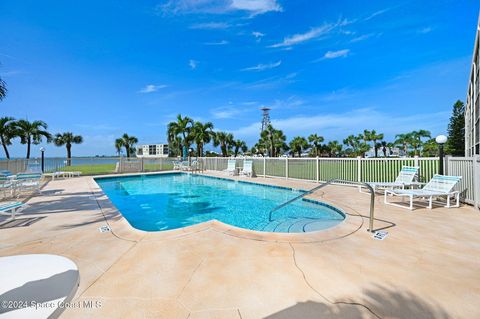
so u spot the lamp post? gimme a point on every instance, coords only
(42, 149)
(440, 139)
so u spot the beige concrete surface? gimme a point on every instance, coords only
(427, 267)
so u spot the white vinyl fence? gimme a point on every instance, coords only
(310, 169)
(362, 170)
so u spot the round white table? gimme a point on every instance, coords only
(36, 286)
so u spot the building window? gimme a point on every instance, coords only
(152, 150)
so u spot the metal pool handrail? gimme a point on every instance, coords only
(370, 189)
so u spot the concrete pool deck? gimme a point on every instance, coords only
(427, 267)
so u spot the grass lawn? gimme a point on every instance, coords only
(98, 169)
(91, 169)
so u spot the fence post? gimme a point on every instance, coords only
(286, 167)
(264, 167)
(476, 181)
(446, 162)
(416, 163)
(359, 169)
(216, 164)
(317, 174)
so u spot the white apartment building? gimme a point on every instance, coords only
(472, 113)
(152, 150)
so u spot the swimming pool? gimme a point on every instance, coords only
(170, 201)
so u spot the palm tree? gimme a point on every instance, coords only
(298, 145)
(119, 145)
(383, 145)
(334, 148)
(3, 89)
(7, 132)
(372, 136)
(416, 139)
(430, 148)
(32, 133)
(316, 143)
(182, 127)
(239, 145)
(259, 148)
(403, 140)
(224, 140)
(202, 134)
(67, 139)
(358, 147)
(273, 141)
(128, 142)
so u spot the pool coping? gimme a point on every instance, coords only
(123, 229)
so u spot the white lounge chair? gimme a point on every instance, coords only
(247, 169)
(177, 165)
(404, 179)
(12, 208)
(6, 185)
(438, 186)
(231, 167)
(25, 182)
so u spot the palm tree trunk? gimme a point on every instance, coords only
(7, 155)
(69, 155)
(28, 147)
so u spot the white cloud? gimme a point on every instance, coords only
(150, 88)
(256, 6)
(253, 7)
(362, 37)
(210, 26)
(336, 54)
(258, 35)
(376, 13)
(271, 82)
(262, 67)
(193, 64)
(304, 37)
(226, 112)
(425, 30)
(223, 42)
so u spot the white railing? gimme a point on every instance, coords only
(310, 169)
(361, 169)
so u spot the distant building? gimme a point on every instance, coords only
(391, 152)
(152, 150)
(472, 113)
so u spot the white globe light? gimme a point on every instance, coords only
(42, 149)
(441, 139)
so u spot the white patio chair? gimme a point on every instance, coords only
(231, 167)
(404, 179)
(247, 169)
(438, 186)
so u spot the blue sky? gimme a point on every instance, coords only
(102, 68)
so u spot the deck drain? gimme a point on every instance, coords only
(104, 229)
(380, 235)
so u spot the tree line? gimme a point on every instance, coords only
(33, 133)
(185, 132)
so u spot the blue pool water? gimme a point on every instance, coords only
(169, 201)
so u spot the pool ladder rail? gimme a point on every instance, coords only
(340, 182)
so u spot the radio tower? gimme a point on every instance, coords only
(265, 117)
